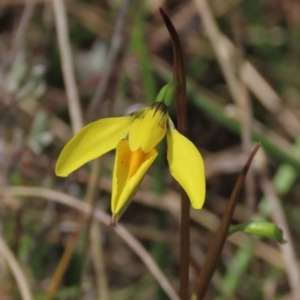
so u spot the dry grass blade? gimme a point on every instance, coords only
(288, 249)
(269, 98)
(99, 261)
(67, 65)
(232, 72)
(77, 123)
(16, 270)
(170, 202)
(104, 218)
(226, 53)
(72, 242)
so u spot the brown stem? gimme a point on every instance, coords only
(179, 76)
(72, 242)
(216, 246)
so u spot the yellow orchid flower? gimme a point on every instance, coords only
(135, 137)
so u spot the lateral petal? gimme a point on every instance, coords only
(186, 166)
(91, 142)
(129, 170)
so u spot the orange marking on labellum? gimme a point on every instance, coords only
(135, 161)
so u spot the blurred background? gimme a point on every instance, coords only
(242, 67)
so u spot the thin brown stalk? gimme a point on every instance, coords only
(102, 217)
(216, 245)
(181, 17)
(72, 242)
(180, 95)
(178, 75)
(16, 269)
(67, 65)
(99, 261)
(63, 264)
(77, 123)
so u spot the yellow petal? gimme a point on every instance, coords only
(91, 142)
(149, 127)
(186, 166)
(129, 170)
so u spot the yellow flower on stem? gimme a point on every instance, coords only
(135, 137)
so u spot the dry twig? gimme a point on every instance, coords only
(287, 249)
(99, 261)
(234, 81)
(102, 217)
(16, 270)
(67, 65)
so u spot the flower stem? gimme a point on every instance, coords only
(180, 95)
